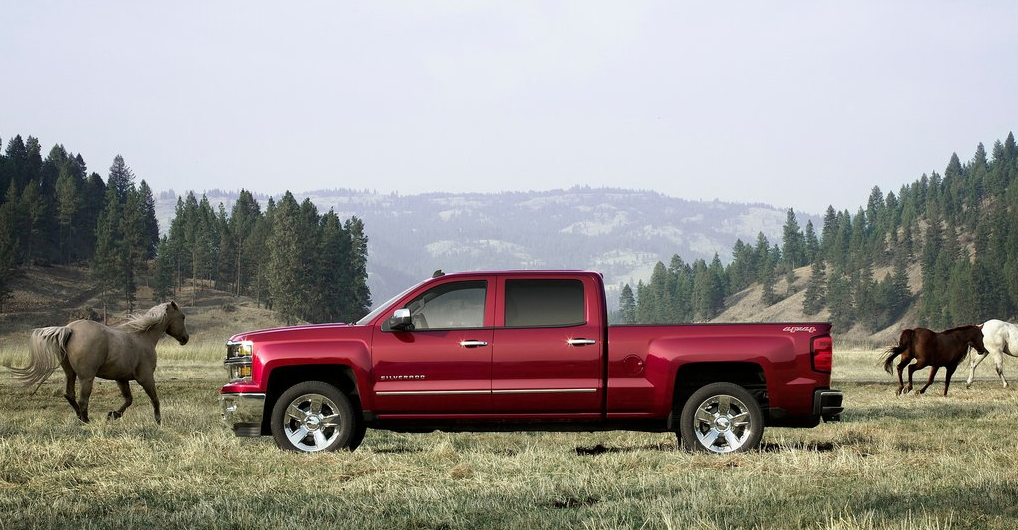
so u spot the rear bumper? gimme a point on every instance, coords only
(828, 404)
(243, 412)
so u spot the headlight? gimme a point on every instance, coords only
(239, 371)
(243, 348)
(239, 359)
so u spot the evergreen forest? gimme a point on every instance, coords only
(289, 257)
(955, 229)
(959, 228)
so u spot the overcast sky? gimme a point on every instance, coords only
(791, 103)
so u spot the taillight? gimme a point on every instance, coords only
(823, 353)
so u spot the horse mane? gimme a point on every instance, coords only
(140, 324)
(960, 328)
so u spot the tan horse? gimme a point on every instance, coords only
(86, 349)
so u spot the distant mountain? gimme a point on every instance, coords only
(622, 233)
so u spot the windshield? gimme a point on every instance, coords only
(378, 310)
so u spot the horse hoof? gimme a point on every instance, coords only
(113, 415)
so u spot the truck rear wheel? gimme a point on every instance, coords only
(721, 418)
(314, 416)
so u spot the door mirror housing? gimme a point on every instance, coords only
(401, 320)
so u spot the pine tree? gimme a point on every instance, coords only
(839, 300)
(812, 243)
(815, 296)
(865, 299)
(286, 254)
(163, 285)
(644, 304)
(360, 302)
(333, 263)
(132, 244)
(120, 177)
(627, 306)
(106, 268)
(68, 202)
(681, 288)
(662, 313)
(243, 219)
(793, 247)
(33, 206)
(150, 224)
(9, 247)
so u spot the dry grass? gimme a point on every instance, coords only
(903, 463)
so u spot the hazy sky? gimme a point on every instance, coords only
(791, 103)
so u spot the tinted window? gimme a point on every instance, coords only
(537, 303)
(450, 306)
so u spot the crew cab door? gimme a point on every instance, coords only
(443, 366)
(548, 344)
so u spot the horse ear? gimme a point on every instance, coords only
(174, 305)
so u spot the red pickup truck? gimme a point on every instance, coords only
(524, 350)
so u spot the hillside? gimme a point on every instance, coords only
(621, 233)
(48, 296)
(746, 306)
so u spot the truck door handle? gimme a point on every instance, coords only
(473, 343)
(581, 342)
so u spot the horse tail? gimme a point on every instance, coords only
(46, 348)
(904, 343)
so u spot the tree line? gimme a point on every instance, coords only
(960, 228)
(303, 264)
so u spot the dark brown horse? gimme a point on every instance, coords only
(929, 348)
(87, 349)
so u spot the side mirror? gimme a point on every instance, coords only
(401, 320)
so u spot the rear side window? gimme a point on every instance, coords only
(544, 303)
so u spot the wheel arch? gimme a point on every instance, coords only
(693, 376)
(284, 377)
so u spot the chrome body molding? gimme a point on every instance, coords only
(484, 392)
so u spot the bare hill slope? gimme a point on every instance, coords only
(49, 296)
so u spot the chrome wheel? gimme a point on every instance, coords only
(313, 416)
(721, 418)
(312, 422)
(722, 424)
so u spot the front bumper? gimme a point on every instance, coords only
(243, 412)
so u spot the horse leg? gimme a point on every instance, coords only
(69, 392)
(950, 371)
(911, 370)
(83, 396)
(149, 384)
(999, 361)
(125, 390)
(933, 373)
(901, 366)
(972, 368)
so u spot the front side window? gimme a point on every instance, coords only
(544, 303)
(450, 306)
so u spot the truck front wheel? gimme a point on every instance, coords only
(721, 418)
(313, 416)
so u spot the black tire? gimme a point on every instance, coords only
(721, 418)
(358, 436)
(314, 416)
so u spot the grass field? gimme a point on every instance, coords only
(893, 462)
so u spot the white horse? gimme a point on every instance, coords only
(999, 337)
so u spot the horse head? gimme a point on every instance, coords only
(175, 323)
